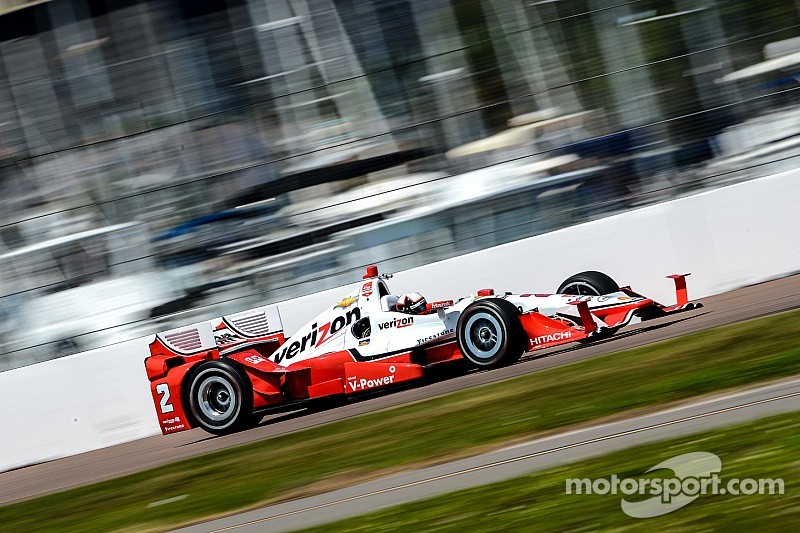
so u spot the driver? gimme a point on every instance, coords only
(412, 303)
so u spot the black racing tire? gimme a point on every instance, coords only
(253, 420)
(489, 333)
(219, 397)
(589, 283)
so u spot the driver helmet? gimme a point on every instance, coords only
(412, 303)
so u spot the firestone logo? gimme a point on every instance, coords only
(436, 336)
(173, 424)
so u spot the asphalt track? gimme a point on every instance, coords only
(513, 462)
(735, 306)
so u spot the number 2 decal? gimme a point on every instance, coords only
(163, 390)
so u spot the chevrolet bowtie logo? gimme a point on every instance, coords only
(346, 302)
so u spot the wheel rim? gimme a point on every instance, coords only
(484, 335)
(216, 398)
(580, 288)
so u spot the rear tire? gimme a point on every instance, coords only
(219, 397)
(589, 283)
(489, 334)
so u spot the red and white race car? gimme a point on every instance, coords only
(223, 374)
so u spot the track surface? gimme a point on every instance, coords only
(735, 306)
(513, 462)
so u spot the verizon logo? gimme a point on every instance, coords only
(317, 336)
(397, 323)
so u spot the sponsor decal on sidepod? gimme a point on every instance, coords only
(318, 335)
(363, 384)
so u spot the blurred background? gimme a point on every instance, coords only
(166, 161)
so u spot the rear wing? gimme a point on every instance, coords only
(217, 337)
(255, 326)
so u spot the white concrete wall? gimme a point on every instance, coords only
(75, 404)
(727, 238)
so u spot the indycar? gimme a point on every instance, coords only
(224, 374)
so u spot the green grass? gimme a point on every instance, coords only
(459, 424)
(766, 448)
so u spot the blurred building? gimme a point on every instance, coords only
(348, 114)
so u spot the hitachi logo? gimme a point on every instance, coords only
(397, 323)
(553, 337)
(318, 335)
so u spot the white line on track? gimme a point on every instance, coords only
(715, 398)
(168, 500)
(514, 459)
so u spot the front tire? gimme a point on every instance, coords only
(219, 398)
(589, 283)
(489, 333)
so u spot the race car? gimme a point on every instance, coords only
(223, 374)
